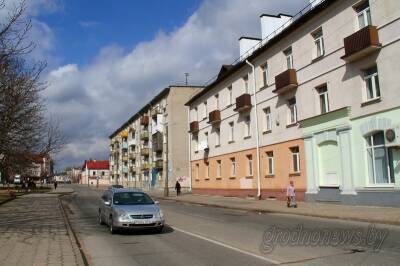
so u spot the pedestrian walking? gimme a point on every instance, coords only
(291, 195)
(178, 188)
(55, 185)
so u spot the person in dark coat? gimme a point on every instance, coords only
(55, 185)
(178, 188)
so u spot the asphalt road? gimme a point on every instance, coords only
(201, 235)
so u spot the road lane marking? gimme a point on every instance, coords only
(226, 246)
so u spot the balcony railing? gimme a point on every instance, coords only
(132, 156)
(285, 81)
(132, 142)
(214, 117)
(156, 111)
(125, 145)
(144, 120)
(144, 135)
(124, 169)
(243, 103)
(132, 169)
(159, 164)
(146, 166)
(125, 158)
(361, 43)
(194, 127)
(145, 151)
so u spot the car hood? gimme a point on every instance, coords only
(137, 209)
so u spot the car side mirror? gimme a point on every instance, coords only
(157, 202)
(107, 203)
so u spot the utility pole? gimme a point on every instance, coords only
(186, 78)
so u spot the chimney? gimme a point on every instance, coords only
(271, 23)
(247, 45)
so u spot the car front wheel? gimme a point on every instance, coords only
(100, 219)
(112, 228)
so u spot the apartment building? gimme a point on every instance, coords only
(150, 150)
(315, 100)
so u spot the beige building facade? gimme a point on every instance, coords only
(150, 150)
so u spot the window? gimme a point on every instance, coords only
(197, 171)
(231, 131)
(267, 119)
(363, 15)
(219, 168)
(206, 138)
(289, 58)
(296, 159)
(230, 96)
(265, 74)
(249, 165)
(94, 172)
(380, 159)
(246, 83)
(233, 167)
(270, 159)
(217, 136)
(103, 173)
(292, 111)
(217, 100)
(195, 142)
(323, 99)
(319, 43)
(247, 126)
(205, 110)
(207, 172)
(196, 114)
(372, 83)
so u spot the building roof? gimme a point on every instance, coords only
(97, 165)
(305, 16)
(147, 106)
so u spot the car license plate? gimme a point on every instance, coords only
(141, 222)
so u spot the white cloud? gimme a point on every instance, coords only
(88, 23)
(94, 100)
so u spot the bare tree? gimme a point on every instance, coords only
(24, 128)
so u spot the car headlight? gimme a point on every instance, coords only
(124, 217)
(160, 214)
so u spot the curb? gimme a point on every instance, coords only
(71, 232)
(369, 220)
(7, 200)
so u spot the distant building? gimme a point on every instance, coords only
(40, 167)
(74, 174)
(93, 170)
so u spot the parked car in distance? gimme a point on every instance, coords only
(129, 209)
(115, 186)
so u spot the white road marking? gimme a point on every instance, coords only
(226, 246)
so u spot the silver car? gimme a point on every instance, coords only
(130, 209)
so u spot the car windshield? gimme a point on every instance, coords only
(131, 198)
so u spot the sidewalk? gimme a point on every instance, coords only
(33, 232)
(383, 215)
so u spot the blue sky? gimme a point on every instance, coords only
(82, 28)
(106, 59)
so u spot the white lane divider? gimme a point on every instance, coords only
(227, 246)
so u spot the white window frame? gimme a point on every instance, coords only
(264, 69)
(289, 57)
(196, 114)
(267, 119)
(319, 43)
(196, 142)
(233, 167)
(246, 83)
(366, 16)
(372, 147)
(205, 114)
(231, 131)
(206, 139)
(250, 166)
(219, 168)
(270, 161)
(217, 136)
(230, 96)
(376, 91)
(292, 119)
(295, 158)
(247, 126)
(323, 97)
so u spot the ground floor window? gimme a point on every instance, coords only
(295, 159)
(380, 159)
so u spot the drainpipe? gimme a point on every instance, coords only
(190, 151)
(257, 136)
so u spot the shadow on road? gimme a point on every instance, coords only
(166, 230)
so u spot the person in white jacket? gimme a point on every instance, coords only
(291, 195)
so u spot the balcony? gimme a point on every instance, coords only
(132, 169)
(124, 134)
(159, 164)
(132, 156)
(132, 142)
(285, 81)
(194, 127)
(124, 145)
(145, 166)
(157, 142)
(145, 151)
(361, 44)
(132, 129)
(125, 158)
(243, 103)
(144, 135)
(144, 120)
(124, 169)
(214, 117)
(156, 111)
